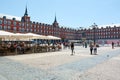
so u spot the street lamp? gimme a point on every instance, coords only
(94, 26)
(83, 34)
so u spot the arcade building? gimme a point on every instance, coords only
(25, 25)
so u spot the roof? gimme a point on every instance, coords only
(10, 17)
(109, 25)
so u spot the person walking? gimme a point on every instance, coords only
(85, 44)
(91, 48)
(95, 49)
(72, 48)
(112, 45)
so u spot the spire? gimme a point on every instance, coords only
(55, 21)
(26, 14)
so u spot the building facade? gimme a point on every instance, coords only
(106, 34)
(25, 25)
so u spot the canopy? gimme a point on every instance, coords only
(22, 35)
(53, 37)
(5, 34)
(13, 36)
(19, 36)
(36, 36)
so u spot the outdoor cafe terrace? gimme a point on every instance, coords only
(19, 43)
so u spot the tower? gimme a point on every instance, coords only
(26, 14)
(55, 27)
(55, 23)
(25, 18)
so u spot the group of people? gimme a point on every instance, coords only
(93, 48)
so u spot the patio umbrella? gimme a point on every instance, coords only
(53, 37)
(36, 36)
(5, 34)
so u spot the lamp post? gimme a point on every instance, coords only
(94, 26)
(81, 32)
(83, 36)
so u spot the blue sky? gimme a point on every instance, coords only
(69, 13)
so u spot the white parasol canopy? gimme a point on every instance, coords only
(53, 37)
(13, 36)
(36, 36)
(19, 36)
(5, 34)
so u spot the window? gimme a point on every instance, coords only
(27, 30)
(19, 24)
(34, 26)
(38, 30)
(14, 28)
(8, 27)
(5, 27)
(22, 29)
(9, 22)
(0, 27)
(31, 30)
(27, 25)
(14, 23)
(31, 25)
(22, 24)
(5, 22)
(34, 30)
(0, 21)
(27, 20)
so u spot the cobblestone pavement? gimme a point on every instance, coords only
(108, 70)
(61, 66)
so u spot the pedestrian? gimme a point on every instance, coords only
(112, 45)
(95, 49)
(72, 48)
(91, 48)
(85, 44)
(118, 44)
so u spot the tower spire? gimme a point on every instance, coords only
(26, 14)
(55, 21)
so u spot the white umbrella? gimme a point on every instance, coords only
(5, 34)
(53, 37)
(36, 36)
(19, 36)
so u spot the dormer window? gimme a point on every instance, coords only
(14, 19)
(4, 17)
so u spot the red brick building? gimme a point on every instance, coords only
(24, 25)
(106, 33)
